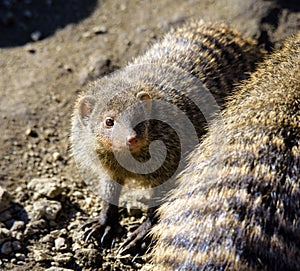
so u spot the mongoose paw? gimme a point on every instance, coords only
(97, 229)
(137, 241)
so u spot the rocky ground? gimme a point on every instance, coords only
(49, 50)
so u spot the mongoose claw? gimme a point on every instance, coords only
(97, 229)
(137, 240)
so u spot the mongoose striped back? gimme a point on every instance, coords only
(237, 206)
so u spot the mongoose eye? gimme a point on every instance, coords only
(109, 122)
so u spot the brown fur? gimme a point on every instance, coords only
(237, 206)
(211, 52)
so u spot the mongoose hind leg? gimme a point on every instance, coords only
(137, 241)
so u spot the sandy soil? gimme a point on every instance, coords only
(48, 53)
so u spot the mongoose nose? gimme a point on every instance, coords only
(131, 140)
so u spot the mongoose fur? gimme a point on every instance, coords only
(237, 204)
(210, 52)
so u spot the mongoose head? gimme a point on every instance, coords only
(120, 124)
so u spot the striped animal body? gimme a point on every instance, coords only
(159, 96)
(237, 205)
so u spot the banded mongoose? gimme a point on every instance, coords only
(237, 204)
(118, 113)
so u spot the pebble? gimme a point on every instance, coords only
(6, 248)
(5, 199)
(89, 256)
(78, 194)
(45, 187)
(20, 256)
(5, 235)
(36, 35)
(18, 235)
(56, 156)
(47, 239)
(53, 209)
(63, 258)
(30, 49)
(100, 29)
(46, 208)
(30, 132)
(16, 245)
(60, 243)
(17, 225)
(86, 34)
(97, 66)
(40, 255)
(5, 216)
(35, 227)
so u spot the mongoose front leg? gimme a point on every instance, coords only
(103, 227)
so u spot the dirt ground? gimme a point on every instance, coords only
(49, 50)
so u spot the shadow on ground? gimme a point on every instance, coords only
(292, 5)
(27, 20)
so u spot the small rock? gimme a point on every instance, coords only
(36, 35)
(35, 227)
(5, 216)
(97, 66)
(40, 255)
(31, 133)
(100, 30)
(13, 261)
(83, 77)
(91, 257)
(86, 34)
(10, 222)
(68, 68)
(20, 256)
(45, 186)
(16, 245)
(30, 49)
(4, 235)
(5, 199)
(123, 7)
(47, 208)
(18, 225)
(60, 243)
(47, 239)
(6, 248)
(63, 259)
(78, 194)
(52, 210)
(56, 156)
(17, 235)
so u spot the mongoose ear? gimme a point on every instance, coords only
(85, 106)
(143, 96)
